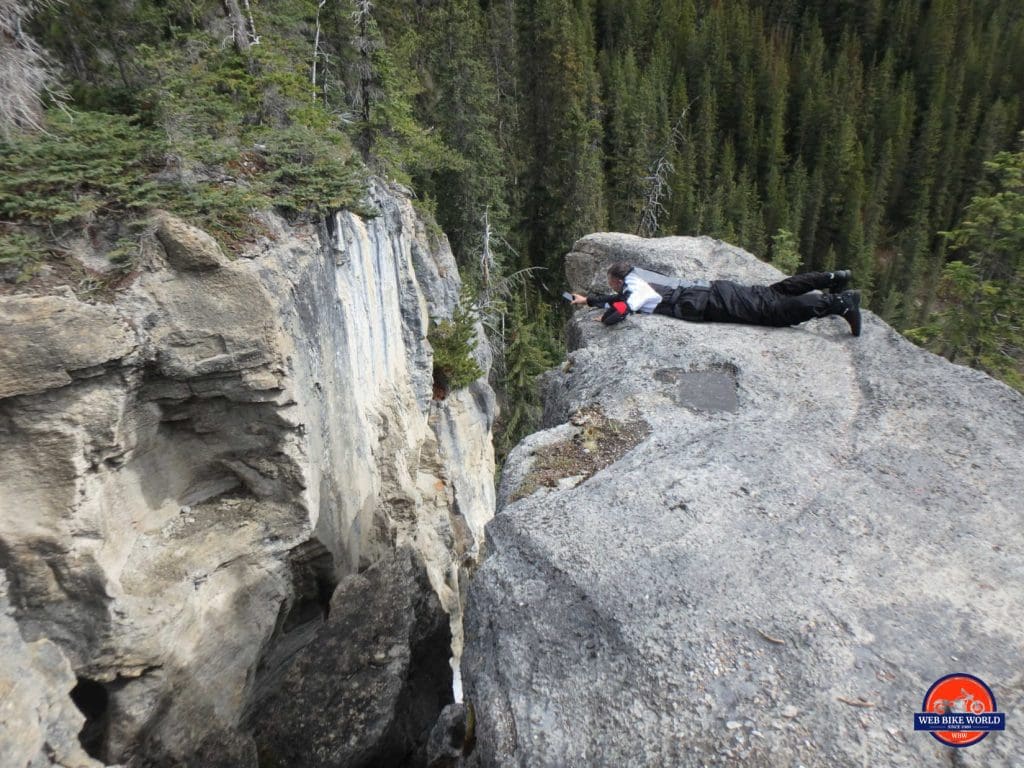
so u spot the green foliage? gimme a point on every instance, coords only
(210, 132)
(20, 254)
(310, 173)
(982, 319)
(404, 147)
(784, 253)
(92, 166)
(87, 164)
(459, 98)
(531, 347)
(562, 128)
(453, 342)
(256, 120)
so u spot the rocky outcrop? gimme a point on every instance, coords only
(58, 339)
(815, 529)
(187, 473)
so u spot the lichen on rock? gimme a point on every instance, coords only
(565, 460)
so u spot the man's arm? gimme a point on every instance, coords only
(604, 299)
(617, 308)
(598, 300)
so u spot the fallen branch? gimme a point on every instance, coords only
(769, 638)
(858, 702)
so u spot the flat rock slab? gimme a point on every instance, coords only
(775, 584)
(701, 390)
(50, 339)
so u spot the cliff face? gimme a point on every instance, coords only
(187, 473)
(794, 534)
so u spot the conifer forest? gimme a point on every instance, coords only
(880, 135)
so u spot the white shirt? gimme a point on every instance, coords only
(642, 298)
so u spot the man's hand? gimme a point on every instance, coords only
(578, 298)
(615, 313)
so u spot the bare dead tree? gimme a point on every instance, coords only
(243, 25)
(254, 38)
(486, 253)
(657, 188)
(317, 53)
(657, 184)
(28, 76)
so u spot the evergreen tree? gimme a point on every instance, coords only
(562, 129)
(463, 105)
(529, 351)
(385, 89)
(982, 323)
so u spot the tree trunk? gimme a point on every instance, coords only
(239, 25)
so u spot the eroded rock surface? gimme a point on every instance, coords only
(187, 473)
(773, 583)
(40, 721)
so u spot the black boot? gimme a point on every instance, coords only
(847, 304)
(840, 279)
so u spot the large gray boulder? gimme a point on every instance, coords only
(811, 529)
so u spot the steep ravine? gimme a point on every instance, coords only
(212, 483)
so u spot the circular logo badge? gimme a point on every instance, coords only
(959, 694)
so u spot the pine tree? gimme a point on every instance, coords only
(529, 351)
(463, 106)
(982, 323)
(562, 130)
(385, 85)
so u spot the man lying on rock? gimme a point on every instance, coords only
(787, 302)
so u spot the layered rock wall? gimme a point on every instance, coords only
(186, 473)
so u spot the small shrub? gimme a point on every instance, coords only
(88, 163)
(20, 254)
(785, 256)
(310, 172)
(453, 342)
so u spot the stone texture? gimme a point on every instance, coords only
(187, 473)
(730, 590)
(40, 724)
(447, 743)
(188, 248)
(56, 340)
(368, 689)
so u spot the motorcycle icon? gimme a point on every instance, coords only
(966, 703)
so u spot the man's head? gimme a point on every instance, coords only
(617, 274)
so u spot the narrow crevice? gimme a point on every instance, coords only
(314, 582)
(93, 700)
(299, 619)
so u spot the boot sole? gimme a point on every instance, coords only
(852, 315)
